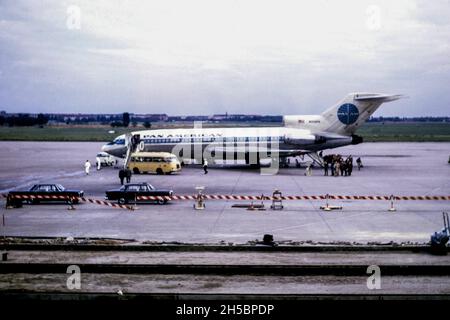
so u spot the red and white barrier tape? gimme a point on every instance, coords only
(233, 197)
(106, 203)
(262, 197)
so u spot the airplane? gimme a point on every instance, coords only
(299, 135)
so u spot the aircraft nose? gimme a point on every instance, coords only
(114, 150)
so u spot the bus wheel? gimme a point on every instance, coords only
(159, 171)
(136, 170)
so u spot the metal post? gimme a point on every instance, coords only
(135, 207)
(200, 203)
(71, 207)
(392, 208)
(327, 207)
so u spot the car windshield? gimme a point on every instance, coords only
(60, 187)
(150, 187)
(44, 188)
(133, 188)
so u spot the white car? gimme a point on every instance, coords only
(105, 159)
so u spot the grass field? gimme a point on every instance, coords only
(412, 132)
(407, 132)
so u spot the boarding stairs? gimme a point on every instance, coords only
(131, 142)
(316, 158)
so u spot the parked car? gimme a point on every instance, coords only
(44, 193)
(129, 193)
(105, 159)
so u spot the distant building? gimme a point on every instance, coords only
(151, 117)
(236, 117)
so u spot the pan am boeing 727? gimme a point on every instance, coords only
(299, 134)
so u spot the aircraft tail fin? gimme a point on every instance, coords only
(350, 113)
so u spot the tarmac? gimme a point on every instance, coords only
(389, 168)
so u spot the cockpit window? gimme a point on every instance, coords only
(116, 141)
(119, 141)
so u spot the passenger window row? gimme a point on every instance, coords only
(233, 139)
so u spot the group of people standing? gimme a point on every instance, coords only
(339, 166)
(125, 174)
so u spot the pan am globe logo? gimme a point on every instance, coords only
(348, 113)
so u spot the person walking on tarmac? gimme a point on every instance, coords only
(128, 175)
(99, 163)
(121, 175)
(359, 163)
(350, 165)
(205, 165)
(325, 167)
(87, 167)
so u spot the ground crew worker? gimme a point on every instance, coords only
(128, 175)
(343, 168)
(205, 166)
(308, 171)
(325, 167)
(350, 165)
(121, 175)
(359, 163)
(87, 166)
(99, 163)
(337, 169)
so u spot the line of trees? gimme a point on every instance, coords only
(24, 120)
(124, 123)
(408, 119)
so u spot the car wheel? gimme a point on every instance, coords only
(161, 201)
(136, 170)
(159, 171)
(122, 201)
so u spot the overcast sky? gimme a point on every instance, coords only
(210, 56)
